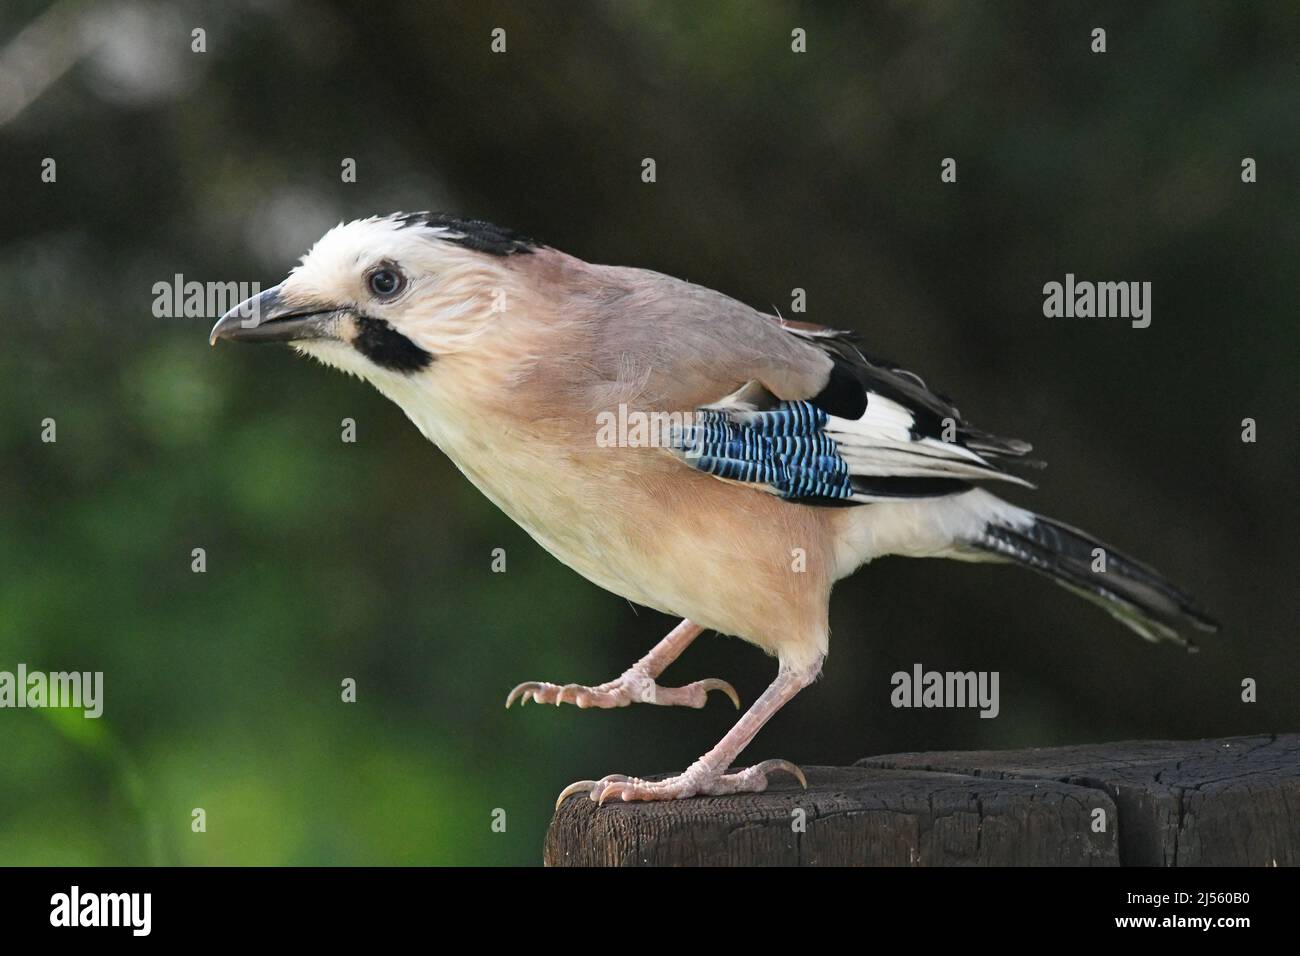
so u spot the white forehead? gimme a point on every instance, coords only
(349, 249)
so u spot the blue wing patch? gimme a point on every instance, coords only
(784, 448)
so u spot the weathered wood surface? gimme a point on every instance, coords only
(1231, 801)
(1234, 801)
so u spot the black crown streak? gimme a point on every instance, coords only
(471, 233)
(388, 348)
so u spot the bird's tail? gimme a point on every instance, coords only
(1134, 594)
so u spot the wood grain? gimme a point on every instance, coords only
(1232, 801)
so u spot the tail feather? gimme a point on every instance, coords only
(1133, 593)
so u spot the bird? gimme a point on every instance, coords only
(789, 456)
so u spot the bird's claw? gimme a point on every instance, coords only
(630, 688)
(714, 683)
(695, 781)
(587, 785)
(577, 694)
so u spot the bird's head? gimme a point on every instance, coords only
(386, 297)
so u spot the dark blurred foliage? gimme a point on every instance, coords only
(775, 170)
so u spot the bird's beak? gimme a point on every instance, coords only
(269, 317)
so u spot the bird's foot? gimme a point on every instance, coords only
(698, 780)
(632, 687)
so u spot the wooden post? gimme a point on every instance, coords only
(1234, 801)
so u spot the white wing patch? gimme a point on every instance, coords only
(881, 444)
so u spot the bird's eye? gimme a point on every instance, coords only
(385, 283)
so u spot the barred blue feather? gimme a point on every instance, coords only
(784, 448)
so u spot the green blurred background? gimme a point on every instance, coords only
(775, 170)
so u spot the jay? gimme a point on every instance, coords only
(791, 457)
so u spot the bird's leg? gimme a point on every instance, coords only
(636, 685)
(708, 775)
